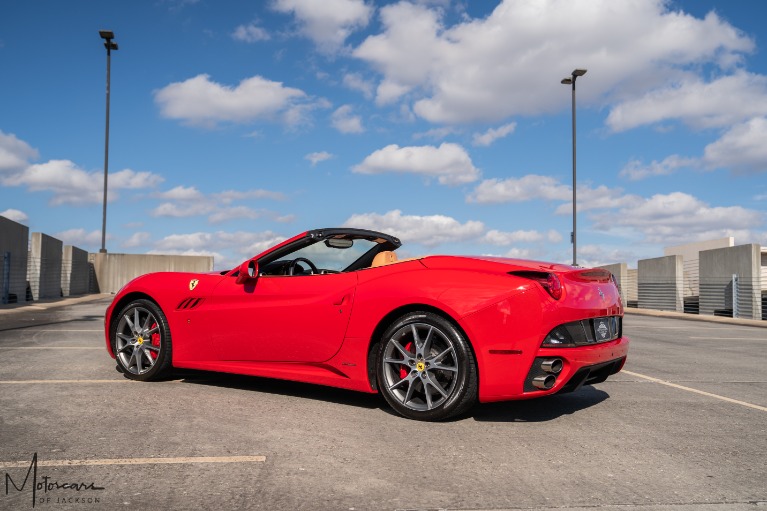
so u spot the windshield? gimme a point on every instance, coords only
(333, 259)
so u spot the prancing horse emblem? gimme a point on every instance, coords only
(598, 290)
(193, 284)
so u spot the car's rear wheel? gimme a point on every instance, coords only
(141, 342)
(425, 368)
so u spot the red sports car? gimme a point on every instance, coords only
(336, 307)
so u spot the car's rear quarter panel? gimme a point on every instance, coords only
(504, 316)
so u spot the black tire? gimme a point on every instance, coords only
(141, 341)
(425, 368)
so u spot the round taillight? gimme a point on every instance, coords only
(554, 286)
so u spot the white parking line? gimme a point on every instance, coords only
(136, 461)
(22, 382)
(696, 391)
(728, 338)
(63, 331)
(51, 348)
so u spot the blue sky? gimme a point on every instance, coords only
(236, 124)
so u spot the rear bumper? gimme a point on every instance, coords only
(582, 365)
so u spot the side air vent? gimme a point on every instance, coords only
(189, 303)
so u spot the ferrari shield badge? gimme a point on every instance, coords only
(193, 284)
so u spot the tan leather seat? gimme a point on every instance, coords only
(384, 258)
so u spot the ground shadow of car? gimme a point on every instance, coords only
(536, 410)
(540, 410)
(280, 387)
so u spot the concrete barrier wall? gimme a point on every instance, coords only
(44, 266)
(14, 248)
(75, 271)
(113, 271)
(717, 268)
(661, 283)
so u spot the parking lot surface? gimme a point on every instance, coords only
(683, 427)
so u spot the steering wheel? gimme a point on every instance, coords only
(294, 264)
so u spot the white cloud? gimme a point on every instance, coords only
(73, 185)
(449, 163)
(601, 197)
(195, 240)
(344, 121)
(15, 215)
(232, 213)
(181, 193)
(743, 148)
(229, 196)
(452, 73)
(15, 154)
(137, 239)
(635, 170)
(355, 81)
(722, 102)
(426, 230)
(80, 237)
(202, 102)
(529, 187)
(679, 218)
(495, 237)
(181, 209)
(327, 23)
(244, 244)
(493, 134)
(184, 202)
(437, 133)
(318, 157)
(250, 33)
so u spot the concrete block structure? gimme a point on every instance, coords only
(75, 271)
(661, 283)
(14, 248)
(44, 266)
(113, 271)
(690, 252)
(731, 281)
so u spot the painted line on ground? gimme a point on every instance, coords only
(63, 331)
(51, 348)
(728, 338)
(696, 391)
(22, 382)
(137, 461)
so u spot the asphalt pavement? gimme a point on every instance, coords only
(683, 427)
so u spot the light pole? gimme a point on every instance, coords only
(574, 235)
(107, 35)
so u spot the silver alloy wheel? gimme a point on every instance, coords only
(135, 340)
(420, 366)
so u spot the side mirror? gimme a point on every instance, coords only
(248, 272)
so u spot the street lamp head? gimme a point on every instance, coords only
(567, 81)
(110, 45)
(579, 72)
(107, 34)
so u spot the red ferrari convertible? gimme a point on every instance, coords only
(337, 307)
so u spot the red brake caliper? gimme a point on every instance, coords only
(155, 340)
(404, 370)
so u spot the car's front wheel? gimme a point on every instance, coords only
(425, 368)
(141, 341)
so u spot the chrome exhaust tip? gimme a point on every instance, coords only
(544, 382)
(552, 365)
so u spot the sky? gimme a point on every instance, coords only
(237, 124)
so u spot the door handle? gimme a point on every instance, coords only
(341, 300)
